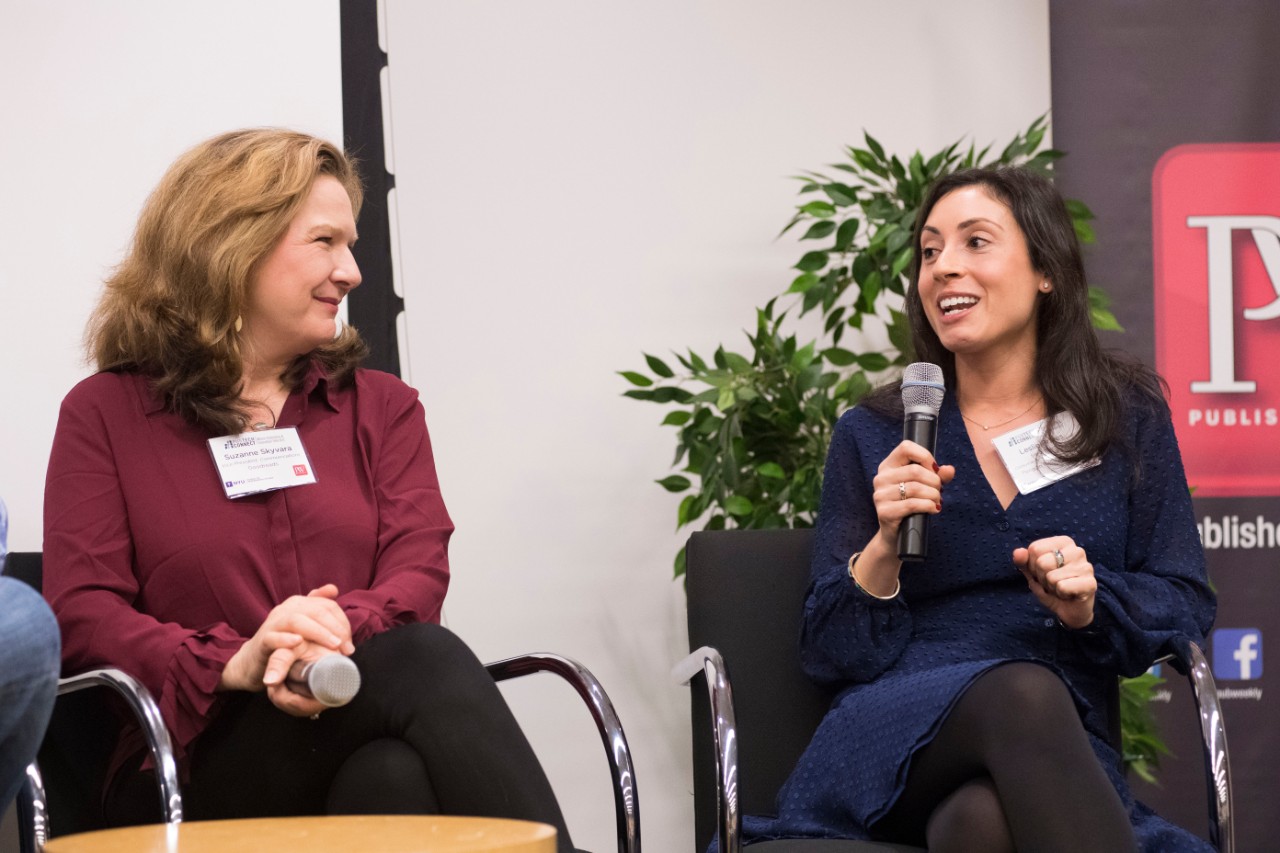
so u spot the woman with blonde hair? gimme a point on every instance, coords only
(179, 547)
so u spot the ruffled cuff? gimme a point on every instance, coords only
(190, 694)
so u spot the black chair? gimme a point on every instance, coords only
(746, 591)
(78, 745)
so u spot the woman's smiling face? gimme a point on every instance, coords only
(976, 283)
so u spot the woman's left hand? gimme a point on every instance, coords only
(282, 693)
(1060, 575)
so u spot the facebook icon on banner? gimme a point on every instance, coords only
(1237, 654)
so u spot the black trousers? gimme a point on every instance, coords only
(428, 733)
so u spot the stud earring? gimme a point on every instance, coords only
(1044, 285)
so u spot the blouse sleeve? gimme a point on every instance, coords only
(847, 635)
(90, 582)
(411, 570)
(1162, 591)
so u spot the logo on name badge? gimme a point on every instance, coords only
(1216, 231)
(1237, 654)
(300, 470)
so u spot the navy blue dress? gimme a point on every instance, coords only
(903, 663)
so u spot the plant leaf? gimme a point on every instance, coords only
(738, 505)
(873, 362)
(771, 470)
(818, 230)
(658, 366)
(802, 283)
(812, 261)
(674, 483)
(845, 234)
(636, 378)
(819, 209)
(839, 357)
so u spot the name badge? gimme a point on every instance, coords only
(255, 462)
(1031, 467)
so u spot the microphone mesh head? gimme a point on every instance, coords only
(922, 388)
(334, 680)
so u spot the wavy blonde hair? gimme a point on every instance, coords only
(169, 310)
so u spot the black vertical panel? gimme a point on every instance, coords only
(1132, 80)
(374, 305)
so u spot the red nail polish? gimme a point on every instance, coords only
(935, 467)
(939, 506)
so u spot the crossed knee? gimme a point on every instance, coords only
(971, 818)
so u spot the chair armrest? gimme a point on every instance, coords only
(1187, 658)
(144, 707)
(32, 812)
(626, 797)
(708, 661)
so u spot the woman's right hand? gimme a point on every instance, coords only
(299, 622)
(908, 482)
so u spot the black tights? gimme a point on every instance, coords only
(428, 733)
(1011, 769)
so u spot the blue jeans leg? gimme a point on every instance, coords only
(30, 651)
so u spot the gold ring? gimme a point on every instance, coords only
(902, 491)
(1057, 555)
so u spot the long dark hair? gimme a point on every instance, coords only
(1074, 372)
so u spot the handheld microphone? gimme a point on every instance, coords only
(922, 391)
(333, 680)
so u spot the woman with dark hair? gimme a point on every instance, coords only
(971, 713)
(178, 550)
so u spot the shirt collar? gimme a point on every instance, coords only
(314, 379)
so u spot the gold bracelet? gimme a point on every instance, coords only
(897, 588)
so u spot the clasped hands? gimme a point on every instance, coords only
(909, 481)
(301, 628)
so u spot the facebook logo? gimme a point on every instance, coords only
(1237, 654)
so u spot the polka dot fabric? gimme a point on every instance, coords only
(901, 664)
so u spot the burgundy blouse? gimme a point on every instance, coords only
(152, 569)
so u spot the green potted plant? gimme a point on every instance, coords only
(752, 427)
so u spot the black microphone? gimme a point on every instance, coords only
(922, 391)
(333, 680)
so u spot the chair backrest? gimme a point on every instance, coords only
(78, 745)
(746, 593)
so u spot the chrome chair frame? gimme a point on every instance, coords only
(32, 803)
(626, 798)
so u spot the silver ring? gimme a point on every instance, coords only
(1057, 555)
(315, 716)
(902, 491)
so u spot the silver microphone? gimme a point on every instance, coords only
(333, 680)
(922, 392)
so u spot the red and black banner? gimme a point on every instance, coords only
(1169, 114)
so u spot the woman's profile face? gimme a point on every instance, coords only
(976, 283)
(292, 303)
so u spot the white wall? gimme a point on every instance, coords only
(577, 182)
(581, 181)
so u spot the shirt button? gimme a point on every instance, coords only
(1048, 623)
(1002, 526)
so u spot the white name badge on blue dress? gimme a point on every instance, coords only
(255, 462)
(1031, 467)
